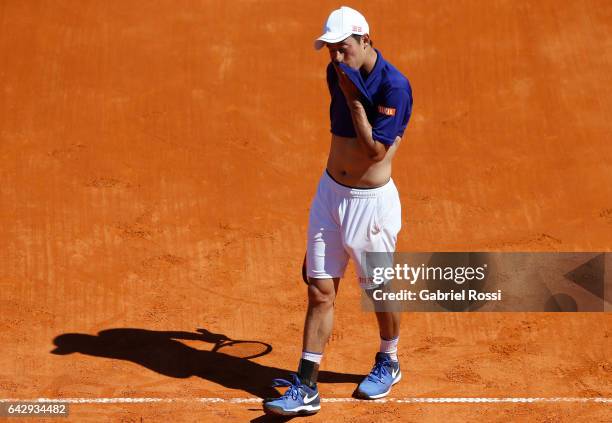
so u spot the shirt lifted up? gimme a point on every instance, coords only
(385, 94)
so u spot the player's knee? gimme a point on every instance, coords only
(321, 294)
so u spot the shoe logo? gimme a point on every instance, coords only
(394, 373)
(309, 400)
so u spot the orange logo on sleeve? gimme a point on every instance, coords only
(389, 111)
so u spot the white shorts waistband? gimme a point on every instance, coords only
(350, 192)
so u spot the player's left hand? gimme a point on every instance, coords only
(350, 91)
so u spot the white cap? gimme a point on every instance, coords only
(341, 24)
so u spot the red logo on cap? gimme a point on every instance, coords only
(356, 28)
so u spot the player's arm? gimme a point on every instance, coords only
(375, 150)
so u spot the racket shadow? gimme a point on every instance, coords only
(164, 353)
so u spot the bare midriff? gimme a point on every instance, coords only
(349, 164)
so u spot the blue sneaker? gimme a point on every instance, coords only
(299, 399)
(383, 376)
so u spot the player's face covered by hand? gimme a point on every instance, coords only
(349, 51)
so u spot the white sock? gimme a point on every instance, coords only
(389, 346)
(310, 356)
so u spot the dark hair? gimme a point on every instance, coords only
(359, 37)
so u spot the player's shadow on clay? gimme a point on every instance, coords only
(228, 363)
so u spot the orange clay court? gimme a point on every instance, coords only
(158, 163)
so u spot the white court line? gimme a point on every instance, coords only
(450, 400)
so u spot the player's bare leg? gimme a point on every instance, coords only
(320, 313)
(388, 324)
(302, 395)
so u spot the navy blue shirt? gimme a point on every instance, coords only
(385, 94)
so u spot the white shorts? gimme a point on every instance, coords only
(348, 222)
